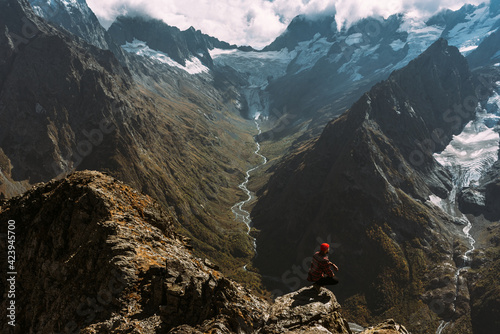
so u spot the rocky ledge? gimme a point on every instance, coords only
(95, 256)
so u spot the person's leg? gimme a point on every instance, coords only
(327, 281)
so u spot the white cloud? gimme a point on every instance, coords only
(258, 22)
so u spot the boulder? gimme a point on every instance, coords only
(306, 311)
(471, 201)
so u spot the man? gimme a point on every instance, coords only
(320, 271)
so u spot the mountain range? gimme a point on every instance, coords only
(380, 138)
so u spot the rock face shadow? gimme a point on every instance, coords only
(308, 296)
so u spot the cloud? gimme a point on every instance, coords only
(258, 22)
(349, 11)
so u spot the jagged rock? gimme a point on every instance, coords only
(493, 198)
(95, 254)
(387, 327)
(306, 311)
(77, 18)
(483, 198)
(471, 201)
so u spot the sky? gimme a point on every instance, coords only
(258, 22)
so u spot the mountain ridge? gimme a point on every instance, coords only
(179, 45)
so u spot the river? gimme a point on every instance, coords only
(239, 212)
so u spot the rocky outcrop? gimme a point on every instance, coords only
(471, 201)
(95, 256)
(301, 29)
(306, 311)
(77, 18)
(483, 199)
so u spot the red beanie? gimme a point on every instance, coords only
(324, 247)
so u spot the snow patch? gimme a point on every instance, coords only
(436, 200)
(397, 45)
(140, 48)
(356, 77)
(356, 38)
(467, 49)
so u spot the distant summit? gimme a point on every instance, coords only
(77, 18)
(303, 29)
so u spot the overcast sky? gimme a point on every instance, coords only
(259, 22)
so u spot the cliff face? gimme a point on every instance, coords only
(77, 18)
(94, 255)
(363, 185)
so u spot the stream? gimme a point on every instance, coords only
(237, 209)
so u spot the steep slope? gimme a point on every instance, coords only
(77, 18)
(302, 29)
(67, 105)
(181, 46)
(487, 53)
(364, 185)
(95, 256)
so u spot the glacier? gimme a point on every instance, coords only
(471, 153)
(259, 66)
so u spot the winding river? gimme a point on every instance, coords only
(239, 212)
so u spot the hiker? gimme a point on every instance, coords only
(320, 271)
